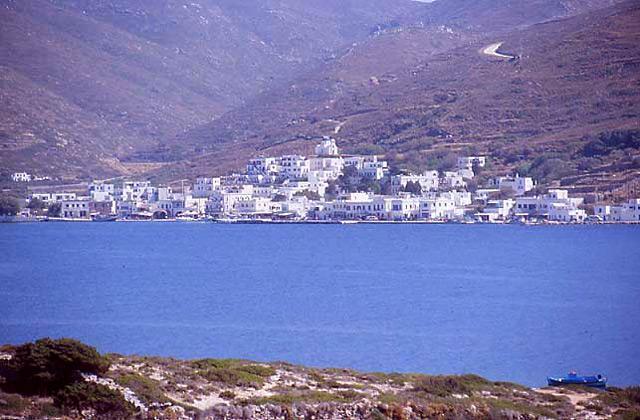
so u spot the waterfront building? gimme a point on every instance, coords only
(540, 206)
(564, 212)
(205, 186)
(627, 212)
(101, 191)
(226, 202)
(75, 209)
(496, 211)
(516, 184)
(130, 190)
(102, 208)
(124, 209)
(439, 208)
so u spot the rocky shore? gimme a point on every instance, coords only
(166, 388)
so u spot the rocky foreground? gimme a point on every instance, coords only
(151, 387)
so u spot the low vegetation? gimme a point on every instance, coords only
(47, 366)
(233, 372)
(43, 379)
(85, 395)
(445, 386)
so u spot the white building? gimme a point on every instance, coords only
(484, 194)
(131, 190)
(101, 191)
(20, 177)
(627, 212)
(228, 203)
(355, 206)
(460, 198)
(294, 167)
(496, 211)
(256, 206)
(75, 209)
(171, 208)
(439, 208)
(563, 212)
(541, 205)
(327, 147)
(516, 184)
(467, 162)
(204, 187)
(453, 180)
(124, 209)
(263, 166)
(428, 181)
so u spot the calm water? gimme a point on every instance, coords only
(507, 302)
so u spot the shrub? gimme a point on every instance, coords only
(9, 206)
(54, 210)
(607, 142)
(233, 372)
(147, 389)
(444, 386)
(228, 395)
(48, 365)
(13, 404)
(83, 395)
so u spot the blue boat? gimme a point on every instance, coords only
(597, 381)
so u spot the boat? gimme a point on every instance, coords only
(596, 381)
(104, 218)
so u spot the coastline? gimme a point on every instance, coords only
(10, 220)
(164, 387)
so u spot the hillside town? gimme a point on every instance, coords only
(329, 187)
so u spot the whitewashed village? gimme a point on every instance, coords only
(328, 187)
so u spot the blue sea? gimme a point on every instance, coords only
(512, 303)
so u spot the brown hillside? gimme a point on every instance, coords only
(84, 83)
(575, 78)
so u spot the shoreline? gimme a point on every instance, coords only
(314, 222)
(166, 387)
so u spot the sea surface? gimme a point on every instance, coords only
(512, 303)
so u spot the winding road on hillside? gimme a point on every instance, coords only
(492, 50)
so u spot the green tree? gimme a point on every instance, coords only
(350, 179)
(36, 204)
(413, 187)
(9, 206)
(83, 395)
(311, 195)
(385, 187)
(47, 365)
(55, 209)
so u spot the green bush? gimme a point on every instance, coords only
(48, 365)
(608, 142)
(84, 395)
(9, 206)
(13, 404)
(444, 386)
(233, 372)
(146, 389)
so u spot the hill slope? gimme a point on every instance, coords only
(575, 78)
(86, 82)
